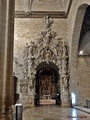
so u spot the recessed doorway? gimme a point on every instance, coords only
(47, 86)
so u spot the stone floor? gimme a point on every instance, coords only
(46, 102)
(87, 110)
(54, 112)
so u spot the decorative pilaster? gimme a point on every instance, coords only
(65, 75)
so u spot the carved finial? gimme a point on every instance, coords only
(47, 22)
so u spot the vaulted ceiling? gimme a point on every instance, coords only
(84, 44)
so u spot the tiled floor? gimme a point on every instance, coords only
(53, 112)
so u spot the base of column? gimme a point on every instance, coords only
(65, 105)
(65, 100)
(6, 114)
(27, 100)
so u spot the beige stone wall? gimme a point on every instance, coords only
(17, 72)
(19, 5)
(66, 4)
(83, 79)
(28, 29)
(48, 5)
(40, 5)
(74, 23)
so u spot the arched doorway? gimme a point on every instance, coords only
(47, 87)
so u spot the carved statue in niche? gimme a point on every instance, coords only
(65, 50)
(48, 37)
(47, 22)
(25, 65)
(26, 51)
(65, 83)
(59, 48)
(48, 55)
(64, 80)
(30, 100)
(32, 48)
(25, 71)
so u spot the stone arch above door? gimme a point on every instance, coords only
(50, 68)
(44, 64)
(47, 83)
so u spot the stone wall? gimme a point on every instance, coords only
(83, 79)
(66, 4)
(39, 5)
(74, 24)
(17, 72)
(28, 29)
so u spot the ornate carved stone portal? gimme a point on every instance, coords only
(49, 49)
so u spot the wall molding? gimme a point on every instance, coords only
(41, 14)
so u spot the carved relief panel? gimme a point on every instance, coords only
(46, 48)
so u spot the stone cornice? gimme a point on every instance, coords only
(41, 14)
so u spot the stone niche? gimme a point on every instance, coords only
(49, 49)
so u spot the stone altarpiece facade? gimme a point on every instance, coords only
(47, 48)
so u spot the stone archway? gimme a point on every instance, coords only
(47, 49)
(75, 41)
(74, 75)
(47, 84)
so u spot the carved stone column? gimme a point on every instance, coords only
(6, 57)
(65, 92)
(64, 78)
